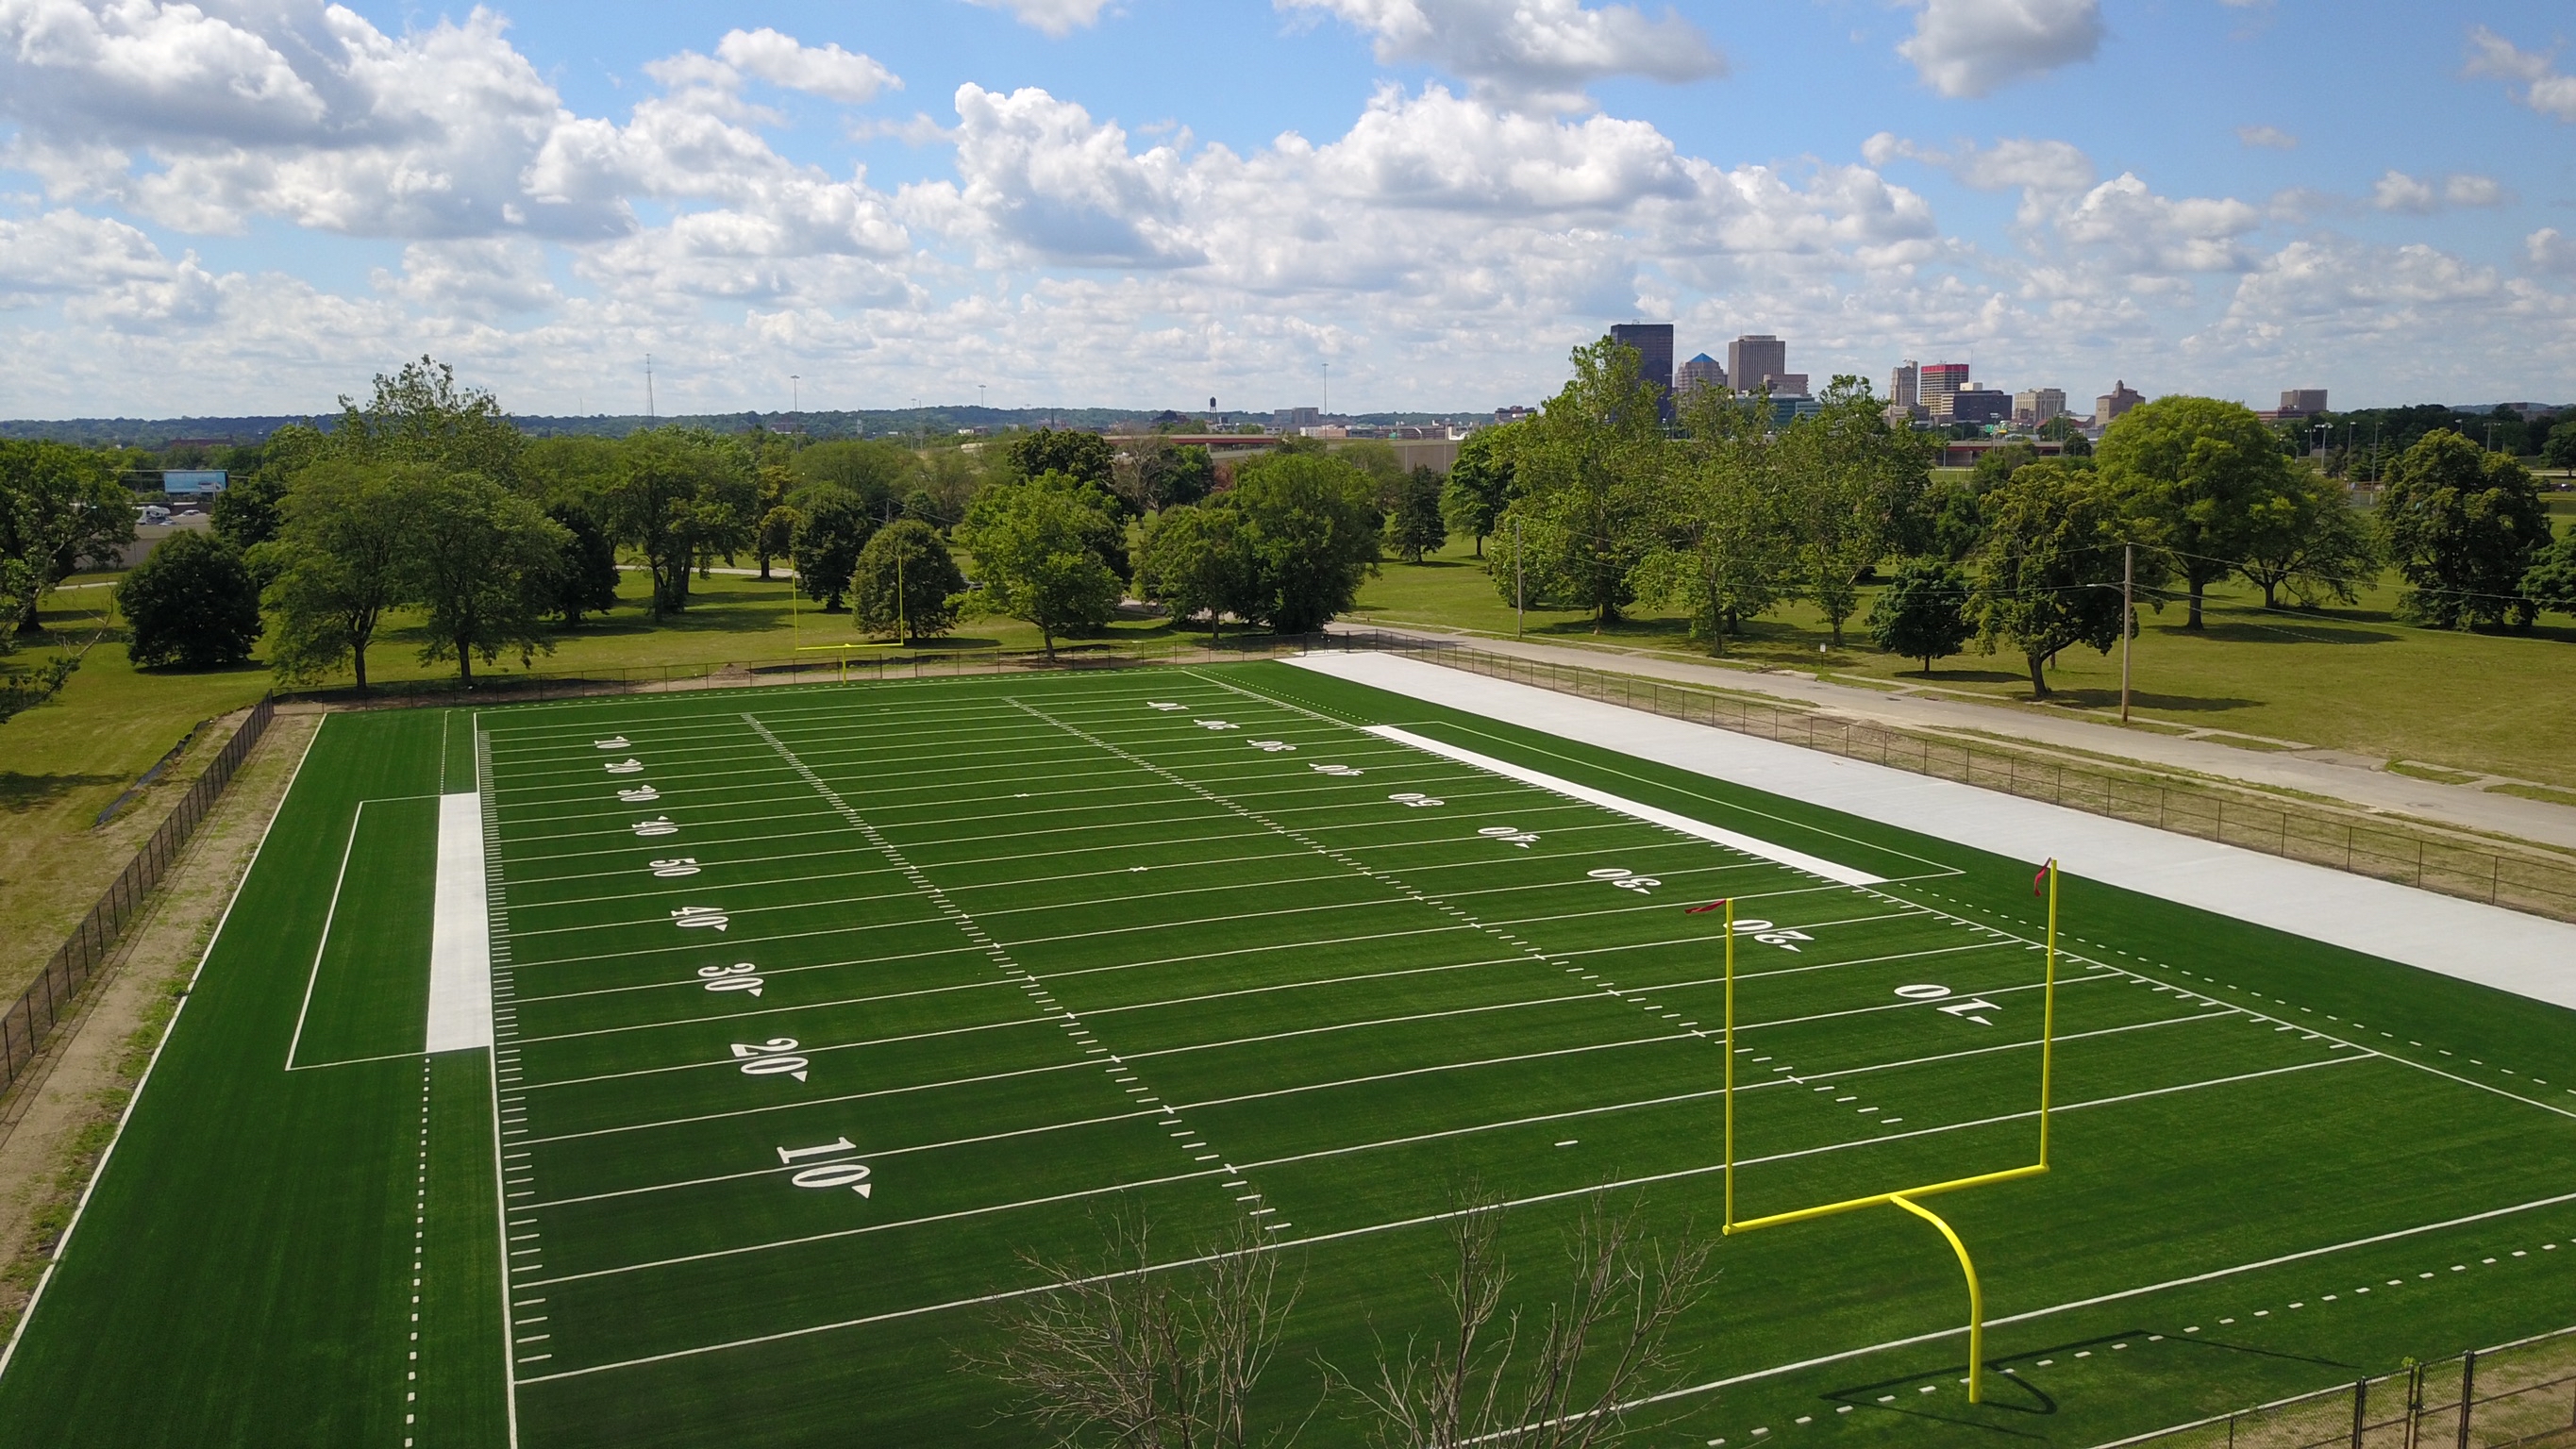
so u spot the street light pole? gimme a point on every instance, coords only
(2128, 619)
(1520, 605)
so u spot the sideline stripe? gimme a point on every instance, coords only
(460, 938)
(1750, 845)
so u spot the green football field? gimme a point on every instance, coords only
(817, 1010)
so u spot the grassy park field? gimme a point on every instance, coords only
(1228, 946)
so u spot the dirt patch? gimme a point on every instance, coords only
(59, 1118)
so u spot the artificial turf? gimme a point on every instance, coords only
(1048, 947)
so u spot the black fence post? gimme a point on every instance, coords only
(2468, 1392)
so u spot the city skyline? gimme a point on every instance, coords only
(235, 207)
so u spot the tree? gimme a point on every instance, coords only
(2560, 450)
(334, 568)
(61, 509)
(2199, 468)
(1034, 561)
(481, 562)
(832, 526)
(878, 474)
(1602, 1348)
(679, 496)
(250, 510)
(2049, 570)
(1310, 522)
(1996, 466)
(583, 579)
(420, 416)
(906, 583)
(1855, 487)
(191, 603)
(2463, 526)
(2551, 583)
(775, 531)
(1156, 473)
(1126, 1352)
(1196, 559)
(1480, 482)
(1083, 457)
(2310, 540)
(1923, 612)
(1721, 545)
(1588, 473)
(1414, 526)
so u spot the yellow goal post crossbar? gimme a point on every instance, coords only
(1905, 1197)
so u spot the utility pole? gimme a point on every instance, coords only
(2128, 619)
(1328, 391)
(979, 397)
(902, 635)
(648, 388)
(795, 400)
(1520, 605)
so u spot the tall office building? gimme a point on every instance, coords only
(2034, 406)
(2302, 402)
(1980, 405)
(1701, 371)
(1901, 389)
(2111, 404)
(1939, 385)
(1654, 344)
(1757, 360)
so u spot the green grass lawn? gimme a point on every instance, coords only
(2345, 678)
(1014, 952)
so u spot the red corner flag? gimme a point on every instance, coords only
(1703, 910)
(2039, 882)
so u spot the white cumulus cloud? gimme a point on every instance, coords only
(827, 70)
(2267, 138)
(1055, 17)
(2422, 196)
(1536, 53)
(1974, 47)
(2544, 88)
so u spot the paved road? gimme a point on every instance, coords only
(2318, 772)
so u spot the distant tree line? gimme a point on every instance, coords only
(1594, 505)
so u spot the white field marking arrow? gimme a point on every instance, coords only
(624, 767)
(613, 742)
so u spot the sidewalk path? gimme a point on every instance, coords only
(2319, 772)
(2526, 955)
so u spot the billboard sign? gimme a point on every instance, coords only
(192, 480)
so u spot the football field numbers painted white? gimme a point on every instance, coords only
(740, 976)
(624, 767)
(1965, 1009)
(1771, 935)
(1344, 771)
(660, 825)
(640, 795)
(1273, 747)
(1215, 724)
(1415, 799)
(1625, 879)
(711, 918)
(1924, 991)
(1164, 705)
(675, 868)
(852, 1175)
(772, 1058)
(613, 742)
(1509, 835)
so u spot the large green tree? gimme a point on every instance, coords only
(832, 525)
(1155, 473)
(480, 561)
(2551, 582)
(1311, 523)
(1589, 473)
(2049, 569)
(334, 569)
(584, 577)
(1480, 482)
(61, 509)
(2463, 526)
(877, 473)
(1034, 561)
(1195, 559)
(2309, 540)
(1923, 611)
(1413, 525)
(2560, 450)
(2200, 468)
(680, 497)
(1722, 546)
(190, 603)
(906, 583)
(1083, 457)
(419, 416)
(1855, 489)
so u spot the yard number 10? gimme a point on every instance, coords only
(852, 1175)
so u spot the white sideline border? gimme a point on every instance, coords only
(2527, 956)
(460, 938)
(1750, 845)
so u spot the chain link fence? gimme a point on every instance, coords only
(2519, 1393)
(24, 1025)
(2535, 885)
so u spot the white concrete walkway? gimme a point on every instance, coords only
(460, 932)
(2526, 955)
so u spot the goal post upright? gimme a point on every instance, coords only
(1905, 1197)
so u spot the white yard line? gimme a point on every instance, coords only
(329, 915)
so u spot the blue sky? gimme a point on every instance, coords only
(252, 205)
